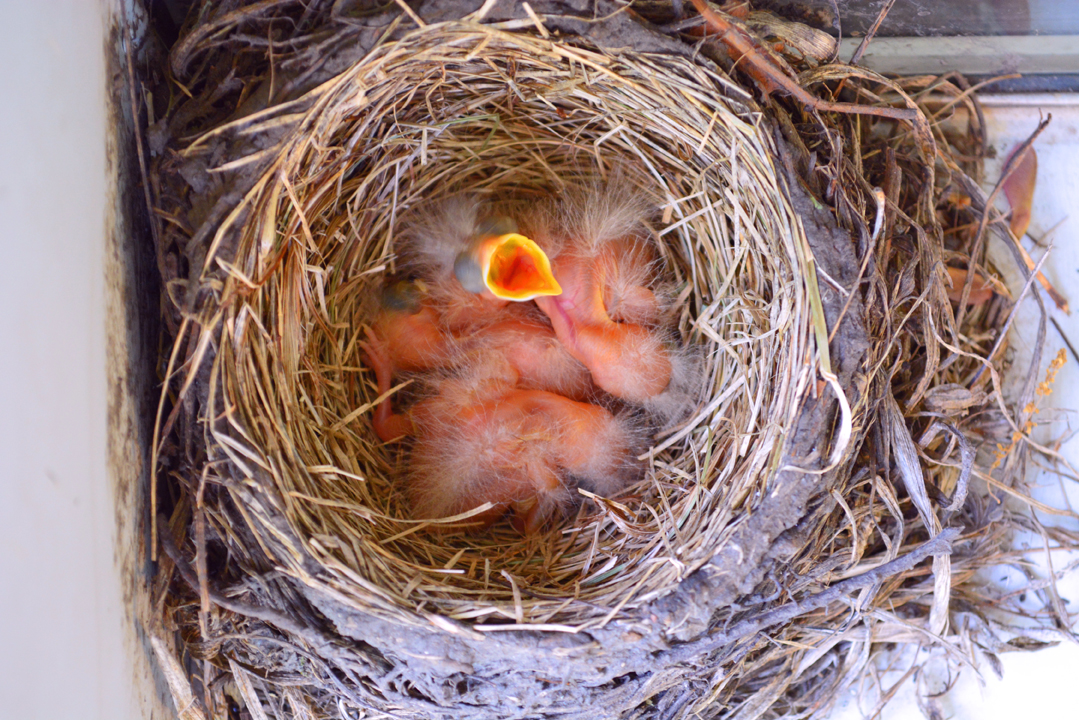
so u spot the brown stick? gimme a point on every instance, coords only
(771, 78)
(857, 56)
(939, 545)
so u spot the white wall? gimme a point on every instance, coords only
(61, 618)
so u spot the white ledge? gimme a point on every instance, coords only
(981, 55)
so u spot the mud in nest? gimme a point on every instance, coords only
(720, 583)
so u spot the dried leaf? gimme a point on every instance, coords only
(1018, 187)
(952, 398)
(1029, 643)
(981, 291)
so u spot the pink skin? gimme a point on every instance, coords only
(509, 401)
(540, 360)
(388, 426)
(626, 359)
(520, 474)
(538, 435)
(411, 341)
(521, 441)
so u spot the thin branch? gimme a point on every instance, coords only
(771, 78)
(1071, 348)
(979, 238)
(939, 545)
(857, 56)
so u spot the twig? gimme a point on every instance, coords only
(939, 545)
(1002, 333)
(967, 457)
(857, 56)
(411, 13)
(1071, 348)
(878, 195)
(979, 238)
(770, 78)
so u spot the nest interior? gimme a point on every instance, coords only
(793, 470)
(436, 124)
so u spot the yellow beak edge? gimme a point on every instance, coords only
(515, 268)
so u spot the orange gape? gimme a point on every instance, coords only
(514, 267)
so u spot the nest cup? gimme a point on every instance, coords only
(463, 108)
(467, 109)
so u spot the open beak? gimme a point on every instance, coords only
(510, 266)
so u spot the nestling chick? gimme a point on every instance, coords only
(520, 450)
(606, 315)
(531, 347)
(410, 337)
(628, 360)
(613, 312)
(408, 330)
(474, 266)
(481, 438)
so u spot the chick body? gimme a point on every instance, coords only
(482, 437)
(408, 329)
(502, 418)
(628, 360)
(410, 337)
(520, 451)
(539, 359)
(607, 315)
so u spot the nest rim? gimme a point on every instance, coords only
(757, 237)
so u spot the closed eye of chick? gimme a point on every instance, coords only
(408, 329)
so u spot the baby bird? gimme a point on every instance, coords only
(481, 438)
(628, 360)
(519, 450)
(606, 314)
(408, 330)
(411, 337)
(474, 270)
(539, 359)
(473, 266)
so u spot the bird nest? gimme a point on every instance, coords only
(721, 581)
